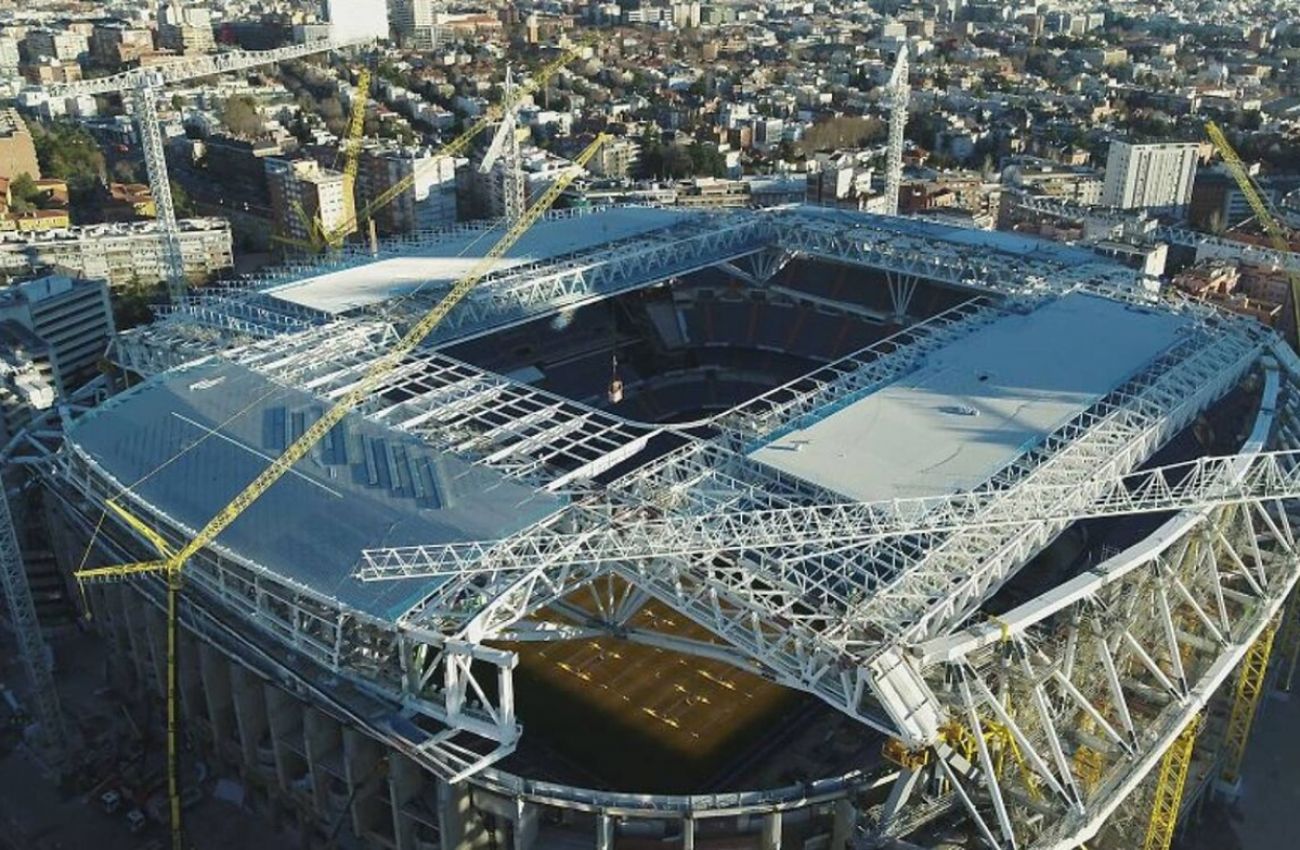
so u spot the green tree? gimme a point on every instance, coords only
(239, 115)
(67, 152)
(24, 193)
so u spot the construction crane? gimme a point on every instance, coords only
(456, 146)
(350, 151)
(142, 87)
(505, 149)
(1263, 214)
(898, 96)
(172, 561)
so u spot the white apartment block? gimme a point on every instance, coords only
(123, 254)
(1150, 176)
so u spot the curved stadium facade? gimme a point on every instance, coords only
(853, 560)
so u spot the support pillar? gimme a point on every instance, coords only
(604, 831)
(771, 831)
(688, 833)
(846, 820)
(454, 814)
(526, 822)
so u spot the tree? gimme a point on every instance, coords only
(24, 193)
(239, 115)
(66, 151)
(124, 171)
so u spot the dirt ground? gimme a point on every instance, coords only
(1262, 814)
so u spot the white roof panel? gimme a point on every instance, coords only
(977, 404)
(446, 261)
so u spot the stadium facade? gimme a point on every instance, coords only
(897, 532)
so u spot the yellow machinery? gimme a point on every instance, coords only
(1276, 234)
(1169, 788)
(322, 238)
(172, 561)
(1250, 689)
(453, 148)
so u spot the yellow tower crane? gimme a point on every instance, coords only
(171, 563)
(322, 238)
(1263, 214)
(455, 147)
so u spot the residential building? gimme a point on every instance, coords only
(1150, 176)
(61, 45)
(185, 29)
(428, 203)
(304, 193)
(113, 44)
(357, 19)
(616, 158)
(27, 382)
(73, 316)
(122, 254)
(17, 151)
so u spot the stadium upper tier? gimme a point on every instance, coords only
(483, 510)
(443, 261)
(222, 423)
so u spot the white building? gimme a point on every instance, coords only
(123, 253)
(72, 316)
(1150, 176)
(428, 203)
(357, 19)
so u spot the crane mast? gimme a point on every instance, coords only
(172, 562)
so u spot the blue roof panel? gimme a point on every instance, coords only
(363, 486)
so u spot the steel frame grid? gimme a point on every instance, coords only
(423, 673)
(699, 594)
(1116, 662)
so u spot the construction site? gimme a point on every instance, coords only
(638, 527)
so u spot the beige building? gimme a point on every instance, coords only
(17, 152)
(303, 192)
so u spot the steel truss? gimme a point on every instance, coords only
(437, 683)
(1037, 725)
(875, 244)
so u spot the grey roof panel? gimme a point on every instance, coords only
(311, 526)
(979, 403)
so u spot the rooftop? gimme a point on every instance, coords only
(977, 404)
(224, 424)
(446, 261)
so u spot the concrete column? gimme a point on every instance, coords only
(772, 832)
(688, 833)
(215, 671)
(454, 810)
(846, 820)
(322, 744)
(527, 818)
(366, 783)
(284, 715)
(405, 781)
(604, 832)
(250, 720)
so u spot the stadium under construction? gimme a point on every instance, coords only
(788, 528)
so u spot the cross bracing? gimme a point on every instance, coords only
(1206, 244)
(800, 610)
(633, 534)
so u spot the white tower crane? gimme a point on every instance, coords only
(505, 151)
(143, 87)
(897, 94)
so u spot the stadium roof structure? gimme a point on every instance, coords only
(863, 584)
(976, 404)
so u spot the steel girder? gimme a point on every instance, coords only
(875, 245)
(1077, 694)
(637, 534)
(1206, 244)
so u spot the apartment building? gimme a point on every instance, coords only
(1150, 176)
